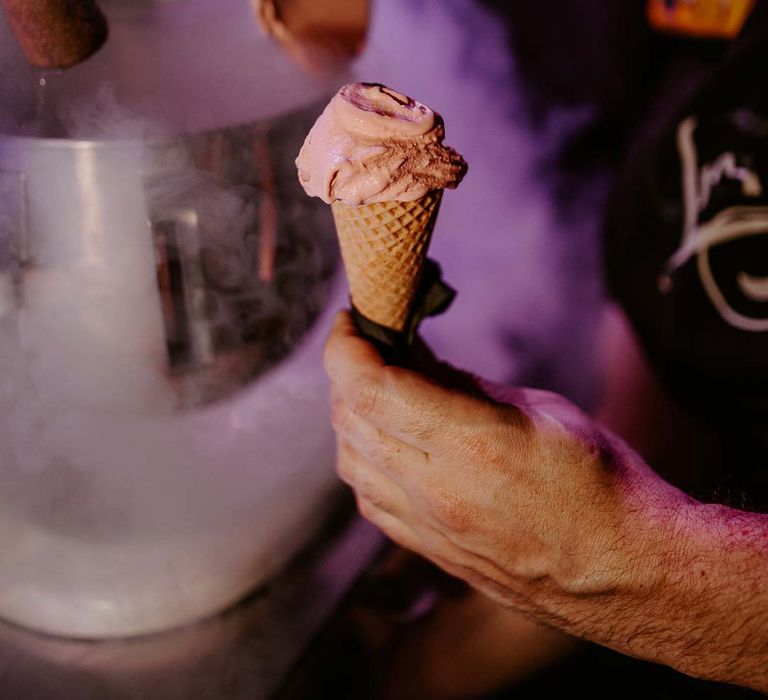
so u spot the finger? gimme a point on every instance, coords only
(419, 537)
(343, 329)
(489, 586)
(392, 526)
(377, 495)
(368, 482)
(398, 459)
(405, 404)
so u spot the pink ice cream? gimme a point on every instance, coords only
(372, 144)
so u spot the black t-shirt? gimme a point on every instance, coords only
(687, 244)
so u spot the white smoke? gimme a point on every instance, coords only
(119, 514)
(528, 280)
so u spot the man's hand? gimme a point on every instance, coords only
(507, 495)
(523, 496)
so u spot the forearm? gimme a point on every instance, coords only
(686, 589)
(707, 615)
(717, 594)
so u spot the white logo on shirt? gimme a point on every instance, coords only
(730, 224)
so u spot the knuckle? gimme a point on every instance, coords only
(513, 420)
(598, 448)
(365, 508)
(542, 396)
(366, 397)
(389, 454)
(381, 520)
(345, 473)
(450, 510)
(329, 351)
(346, 469)
(368, 492)
(327, 356)
(340, 417)
(371, 504)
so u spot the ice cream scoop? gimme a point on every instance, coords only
(373, 144)
(378, 158)
(56, 33)
(320, 36)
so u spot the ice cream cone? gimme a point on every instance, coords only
(384, 246)
(377, 157)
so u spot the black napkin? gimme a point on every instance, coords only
(433, 297)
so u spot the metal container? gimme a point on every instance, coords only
(164, 439)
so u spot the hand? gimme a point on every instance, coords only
(514, 490)
(321, 36)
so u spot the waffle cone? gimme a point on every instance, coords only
(384, 246)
